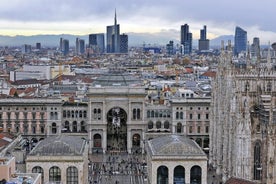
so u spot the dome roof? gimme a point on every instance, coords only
(174, 145)
(117, 77)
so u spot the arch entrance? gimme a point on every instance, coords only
(116, 129)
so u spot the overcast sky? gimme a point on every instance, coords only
(31, 17)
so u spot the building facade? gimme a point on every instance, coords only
(243, 117)
(186, 39)
(203, 42)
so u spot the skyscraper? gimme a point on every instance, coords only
(113, 37)
(186, 39)
(96, 42)
(255, 49)
(170, 48)
(203, 42)
(80, 46)
(240, 40)
(65, 47)
(123, 43)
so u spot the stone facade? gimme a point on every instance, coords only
(242, 135)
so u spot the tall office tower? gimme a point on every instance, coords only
(170, 49)
(60, 44)
(80, 46)
(203, 42)
(26, 49)
(123, 43)
(38, 46)
(96, 42)
(255, 49)
(186, 39)
(65, 47)
(240, 40)
(113, 37)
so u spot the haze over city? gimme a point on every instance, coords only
(158, 18)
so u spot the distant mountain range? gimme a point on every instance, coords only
(135, 39)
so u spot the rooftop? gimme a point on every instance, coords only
(59, 145)
(174, 145)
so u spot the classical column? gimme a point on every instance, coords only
(187, 175)
(170, 177)
(104, 139)
(129, 140)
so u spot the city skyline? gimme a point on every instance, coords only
(35, 17)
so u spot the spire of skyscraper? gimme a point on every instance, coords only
(115, 18)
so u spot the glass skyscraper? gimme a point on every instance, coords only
(240, 40)
(186, 39)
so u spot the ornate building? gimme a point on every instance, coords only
(243, 119)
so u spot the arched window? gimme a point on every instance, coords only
(77, 114)
(257, 161)
(166, 125)
(72, 114)
(51, 115)
(136, 140)
(162, 175)
(177, 115)
(68, 114)
(75, 127)
(195, 177)
(55, 174)
(84, 114)
(150, 125)
(80, 114)
(97, 141)
(38, 169)
(148, 114)
(178, 128)
(179, 175)
(54, 128)
(83, 127)
(72, 175)
(158, 124)
(56, 115)
(152, 114)
(64, 114)
(67, 126)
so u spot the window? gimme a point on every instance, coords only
(83, 128)
(54, 128)
(177, 115)
(181, 115)
(166, 125)
(207, 116)
(55, 174)
(75, 127)
(207, 129)
(38, 169)
(178, 128)
(158, 124)
(150, 125)
(190, 129)
(198, 129)
(191, 116)
(198, 116)
(257, 161)
(72, 175)
(64, 114)
(148, 114)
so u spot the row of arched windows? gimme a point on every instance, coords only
(158, 114)
(74, 127)
(74, 114)
(55, 174)
(158, 125)
(179, 175)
